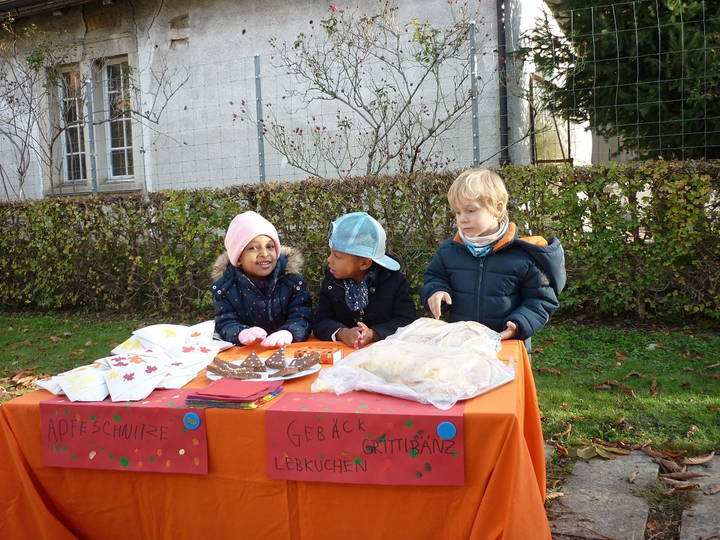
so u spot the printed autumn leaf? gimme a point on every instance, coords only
(698, 460)
(712, 489)
(550, 370)
(683, 475)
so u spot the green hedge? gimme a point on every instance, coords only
(639, 238)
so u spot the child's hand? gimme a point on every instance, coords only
(509, 332)
(251, 335)
(435, 303)
(278, 339)
(349, 336)
(367, 335)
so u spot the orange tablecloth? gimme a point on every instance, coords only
(502, 496)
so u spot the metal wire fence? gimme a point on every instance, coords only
(645, 75)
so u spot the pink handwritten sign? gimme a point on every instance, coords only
(364, 438)
(157, 434)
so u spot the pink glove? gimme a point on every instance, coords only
(278, 339)
(251, 335)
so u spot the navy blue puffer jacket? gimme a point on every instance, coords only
(519, 281)
(239, 304)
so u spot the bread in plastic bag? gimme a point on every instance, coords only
(429, 361)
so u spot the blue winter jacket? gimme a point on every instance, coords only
(239, 304)
(519, 281)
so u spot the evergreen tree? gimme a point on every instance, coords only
(646, 71)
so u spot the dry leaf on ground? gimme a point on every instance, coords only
(712, 489)
(653, 387)
(668, 464)
(679, 484)
(632, 477)
(698, 460)
(683, 475)
(550, 370)
(636, 374)
(693, 429)
(565, 432)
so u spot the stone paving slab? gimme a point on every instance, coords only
(703, 519)
(598, 502)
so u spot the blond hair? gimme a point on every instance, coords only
(480, 185)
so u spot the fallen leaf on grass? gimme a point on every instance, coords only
(54, 339)
(620, 356)
(67, 334)
(613, 383)
(713, 366)
(89, 343)
(553, 371)
(543, 346)
(653, 387)
(693, 429)
(554, 495)
(636, 374)
(683, 475)
(618, 421)
(587, 452)
(632, 477)
(714, 409)
(712, 489)
(565, 432)
(698, 460)
(78, 352)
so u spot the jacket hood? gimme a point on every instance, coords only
(548, 254)
(291, 257)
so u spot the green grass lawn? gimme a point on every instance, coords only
(598, 380)
(629, 385)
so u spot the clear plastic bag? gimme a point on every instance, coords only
(428, 361)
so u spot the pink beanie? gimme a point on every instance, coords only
(243, 228)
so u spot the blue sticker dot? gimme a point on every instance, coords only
(191, 420)
(446, 430)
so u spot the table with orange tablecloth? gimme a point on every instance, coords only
(502, 496)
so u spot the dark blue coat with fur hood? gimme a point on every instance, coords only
(239, 304)
(519, 281)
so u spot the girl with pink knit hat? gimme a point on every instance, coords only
(258, 293)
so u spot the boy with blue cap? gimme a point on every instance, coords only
(364, 297)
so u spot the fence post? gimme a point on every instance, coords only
(474, 92)
(258, 113)
(91, 133)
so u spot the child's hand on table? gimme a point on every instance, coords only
(435, 303)
(510, 330)
(251, 335)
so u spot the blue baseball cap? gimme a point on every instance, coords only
(360, 234)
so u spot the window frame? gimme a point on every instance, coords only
(80, 113)
(107, 120)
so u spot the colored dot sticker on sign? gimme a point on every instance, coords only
(191, 420)
(446, 430)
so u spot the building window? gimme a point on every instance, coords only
(116, 94)
(74, 167)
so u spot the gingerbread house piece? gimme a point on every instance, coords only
(253, 363)
(277, 359)
(329, 354)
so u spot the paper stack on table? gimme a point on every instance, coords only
(234, 394)
(157, 356)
